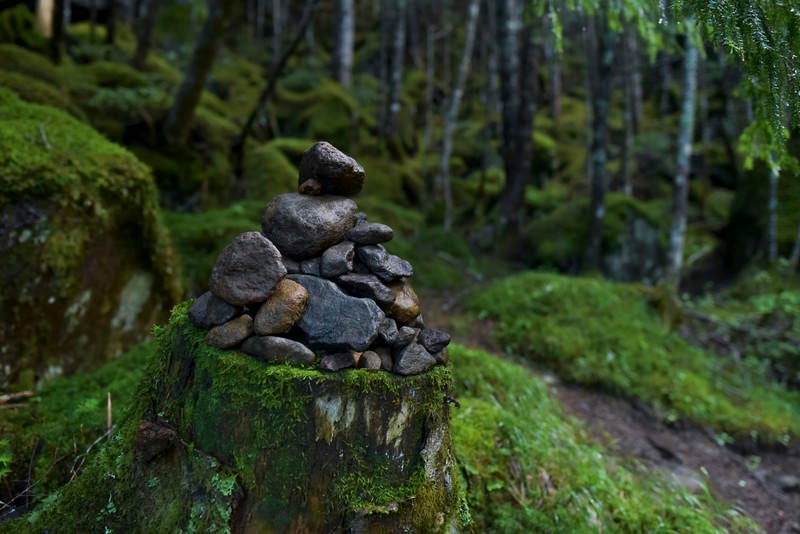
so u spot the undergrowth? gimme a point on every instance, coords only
(597, 333)
(530, 469)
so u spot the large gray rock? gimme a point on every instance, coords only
(277, 349)
(387, 266)
(303, 226)
(282, 309)
(367, 286)
(413, 360)
(334, 321)
(208, 310)
(247, 270)
(326, 170)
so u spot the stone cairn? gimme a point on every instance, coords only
(317, 282)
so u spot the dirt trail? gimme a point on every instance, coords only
(764, 483)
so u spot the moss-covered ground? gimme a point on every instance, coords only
(613, 336)
(525, 467)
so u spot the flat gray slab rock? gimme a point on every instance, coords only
(303, 226)
(386, 266)
(277, 349)
(335, 321)
(326, 170)
(370, 233)
(247, 270)
(367, 286)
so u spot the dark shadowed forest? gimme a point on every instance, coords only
(597, 200)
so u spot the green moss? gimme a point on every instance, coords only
(558, 238)
(528, 468)
(111, 74)
(238, 82)
(39, 92)
(16, 59)
(602, 334)
(270, 169)
(83, 189)
(18, 26)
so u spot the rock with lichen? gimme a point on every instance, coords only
(87, 267)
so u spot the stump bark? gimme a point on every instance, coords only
(355, 451)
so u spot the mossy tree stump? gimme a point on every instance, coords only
(360, 451)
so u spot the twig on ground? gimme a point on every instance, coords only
(42, 133)
(9, 397)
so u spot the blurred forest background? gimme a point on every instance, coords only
(602, 192)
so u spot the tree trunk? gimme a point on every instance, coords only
(395, 68)
(44, 17)
(600, 62)
(179, 117)
(430, 72)
(553, 60)
(629, 122)
(794, 259)
(632, 48)
(144, 34)
(685, 135)
(772, 212)
(665, 70)
(277, 30)
(93, 21)
(342, 58)
(238, 146)
(111, 21)
(509, 20)
(57, 37)
(452, 115)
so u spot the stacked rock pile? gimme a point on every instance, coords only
(317, 282)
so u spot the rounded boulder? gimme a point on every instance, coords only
(304, 226)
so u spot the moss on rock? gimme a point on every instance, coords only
(81, 230)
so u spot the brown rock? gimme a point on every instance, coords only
(370, 360)
(247, 270)
(152, 439)
(282, 309)
(326, 170)
(230, 334)
(406, 303)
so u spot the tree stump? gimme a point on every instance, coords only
(357, 451)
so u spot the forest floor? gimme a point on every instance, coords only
(764, 483)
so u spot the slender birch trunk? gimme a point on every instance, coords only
(772, 212)
(685, 135)
(342, 59)
(452, 115)
(396, 68)
(794, 259)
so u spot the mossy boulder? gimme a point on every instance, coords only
(220, 441)
(88, 266)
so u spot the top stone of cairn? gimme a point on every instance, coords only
(326, 170)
